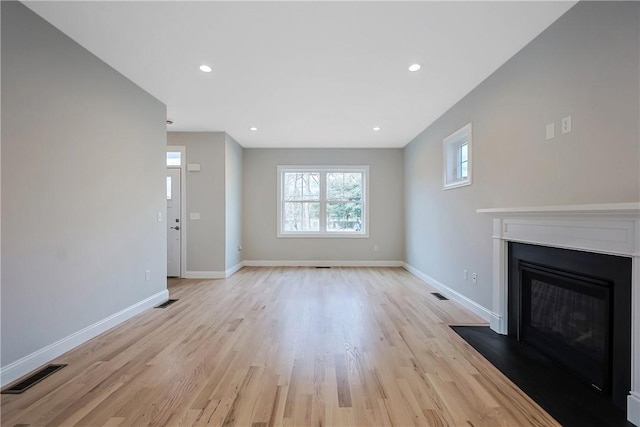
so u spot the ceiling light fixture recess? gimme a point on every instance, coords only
(414, 67)
(253, 128)
(376, 129)
(205, 69)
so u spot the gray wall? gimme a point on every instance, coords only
(206, 196)
(385, 206)
(233, 202)
(82, 182)
(585, 65)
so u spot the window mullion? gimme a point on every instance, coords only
(323, 202)
(282, 197)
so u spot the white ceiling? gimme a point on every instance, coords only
(307, 74)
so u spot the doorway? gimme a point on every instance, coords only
(176, 234)
(174, 222)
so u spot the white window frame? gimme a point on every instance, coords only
(451, 158)
(323, 170)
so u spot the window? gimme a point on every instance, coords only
(322, 201)
(168, 188)
(174, 158)
(463, 161)
(457, 158)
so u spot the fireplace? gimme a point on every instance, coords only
(575, 307)
(609, 229)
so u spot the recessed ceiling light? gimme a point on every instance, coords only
(205, 68)
(253, 128)
(377, 128)
(414, 67)
(169, 122)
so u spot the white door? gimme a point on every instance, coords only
(174, 222)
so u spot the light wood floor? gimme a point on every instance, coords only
(283, 346)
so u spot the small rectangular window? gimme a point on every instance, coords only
(322, 201)
(168, 188)
(174, 158)
(457, 158)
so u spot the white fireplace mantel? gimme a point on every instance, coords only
(631, 208)
(608, 228)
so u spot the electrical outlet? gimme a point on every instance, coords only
(474, 278)
(566, 125)
(147, 275)
(466, 274)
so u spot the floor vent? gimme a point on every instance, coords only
(167, 303)
(322, 267)
(33, 379)
(439, 296)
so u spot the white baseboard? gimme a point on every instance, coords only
(204, 275)
(23, 366)
(231, 271)
(317, 263)
(213, 274)
(469, 304)
(633, 408)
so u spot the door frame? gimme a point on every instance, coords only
(183, 204)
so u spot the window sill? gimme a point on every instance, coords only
(456, 184)
(323, 236)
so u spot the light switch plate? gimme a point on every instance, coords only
(551, 131)
(194, 216)
(193, 167)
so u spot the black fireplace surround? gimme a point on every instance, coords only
(575, 307)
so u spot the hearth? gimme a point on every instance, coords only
(575, 307)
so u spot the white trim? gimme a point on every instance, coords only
(323, 169)
(327, 235)
(600, 209)
(205, 275)
(467, 303)
(232, 270)
(23, 366)
(635, 327)
(633, 408)
(214, 274)
(183, 205)
(500, 275)
(456, 184)
(319, 263)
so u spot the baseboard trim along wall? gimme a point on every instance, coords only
(467, 303)
(317, 263)
(214, 274)
(633, 408)
(204, 275)
(286, 263)
(233, 270)
(23, 366)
